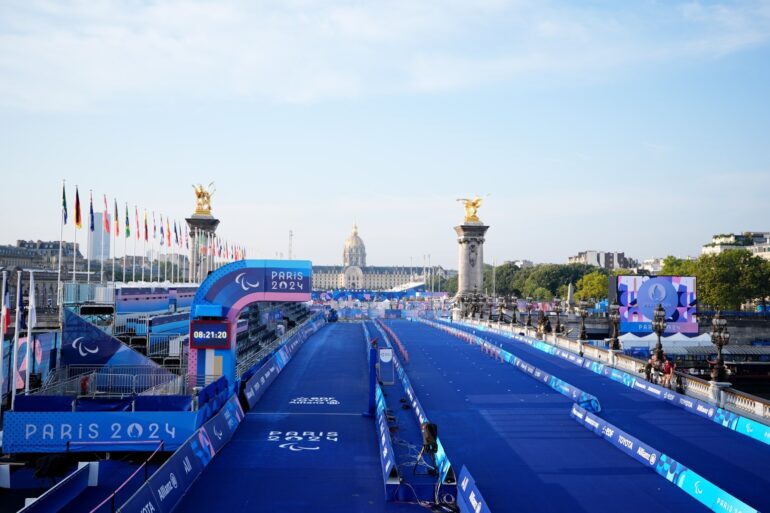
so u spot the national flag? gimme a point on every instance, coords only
(91, 211)
(116, 220)
(106, 216)
(5, 314)
(136, 217)
(154, 227)
(146, 228)
(168, 233)
(128, 224)
(78, 220)
(176, 234)
(162, 236)
(32, 310)
(63, 204)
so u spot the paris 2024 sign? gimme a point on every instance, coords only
(638, 296)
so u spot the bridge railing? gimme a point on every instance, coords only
(728, 398)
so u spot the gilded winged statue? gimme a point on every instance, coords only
(471, 209)
(203, 198)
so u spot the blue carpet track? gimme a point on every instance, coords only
(517, 438)
(736, 463)
(306, 446)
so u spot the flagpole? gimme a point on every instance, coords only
(31, 320)
(15, 352)
(3, 308)
(114, 253)
(144, 256)
(88, 241)
(133, 264)
(59, 298)
(75, 240)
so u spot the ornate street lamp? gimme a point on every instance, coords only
(558, 308)
(515, 308)
(720, 337)
(659, 326)
(583, 313)
(529, 312)
(615, 319)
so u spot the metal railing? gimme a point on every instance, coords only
(128, 324)
(78, 293)
(108, 381)
(248, 362)
(166, 345)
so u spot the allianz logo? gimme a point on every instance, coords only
(591, 422)
(703, 409)
(168, 487)
(648, 456)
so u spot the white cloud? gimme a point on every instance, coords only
(84, 55)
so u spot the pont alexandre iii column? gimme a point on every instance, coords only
(470, 244)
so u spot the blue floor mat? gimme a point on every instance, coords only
(517, 439)
(738, 464)
(306, 446)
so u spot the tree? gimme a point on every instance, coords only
(673, 266)
(592, 285)
(731, 278)
(542, 294)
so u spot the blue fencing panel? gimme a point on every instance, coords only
(468, 495)
(62, 494)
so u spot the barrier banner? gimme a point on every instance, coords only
(95, 430)
(686, 479)
(387, 455)
(468, 495)
(170, 482)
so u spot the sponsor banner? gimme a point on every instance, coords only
(468, 495)
(387, 456)
(102, 431)
(689, 481)
(170, 482)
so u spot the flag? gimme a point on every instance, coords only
(136, 217)
(5, 314)
(116, 220)
(106, 216)
(91, 211)
(78, 220)
(63, 205)
(187, 237)
(162, 235)
(168, 233)
(128, 224)
(154, 227)
(176, 234)
(146, 228)
(32, 311)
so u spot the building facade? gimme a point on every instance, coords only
(603, 259)
(355, 274)
(756, 242)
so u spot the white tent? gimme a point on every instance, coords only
(677, 340)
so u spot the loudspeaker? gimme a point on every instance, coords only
(429, 437)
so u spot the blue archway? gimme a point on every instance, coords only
(221, 298)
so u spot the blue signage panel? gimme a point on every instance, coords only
(209, 334)
(101, 431)
(468, 495)
(288, 280)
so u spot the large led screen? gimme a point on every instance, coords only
(638, 296)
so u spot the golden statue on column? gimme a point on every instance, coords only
(203, 198)
(471, 209)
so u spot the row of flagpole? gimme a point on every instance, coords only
(215, 249)
(5, 321)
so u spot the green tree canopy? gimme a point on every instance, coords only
(592, 285)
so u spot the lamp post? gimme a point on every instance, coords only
(558, 308)
(659, 326)
(529, 312)
(515, 308)
(615, 319)
(583, 313)
(720, 337)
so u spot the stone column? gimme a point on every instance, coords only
(203, 226)
(470, 268)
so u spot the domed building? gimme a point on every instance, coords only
(355, 274)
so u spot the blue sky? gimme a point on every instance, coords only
(641, 127)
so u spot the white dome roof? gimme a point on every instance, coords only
(353, 240)
(355, 250)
